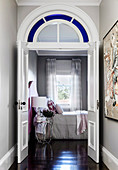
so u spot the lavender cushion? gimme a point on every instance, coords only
(59, 109)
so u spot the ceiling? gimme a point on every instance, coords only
(45, 2)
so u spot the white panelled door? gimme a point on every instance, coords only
(22, 100)
(93, 101)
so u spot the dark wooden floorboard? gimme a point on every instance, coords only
(59, 155)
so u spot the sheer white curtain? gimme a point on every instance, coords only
(76, 91)
(51, 78)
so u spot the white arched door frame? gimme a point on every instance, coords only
(42, 11)
(93, 69)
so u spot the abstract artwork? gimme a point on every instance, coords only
(111, 72)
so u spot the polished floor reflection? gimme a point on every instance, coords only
(60, 155)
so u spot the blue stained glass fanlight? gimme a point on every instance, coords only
(58, 16)
(33, 30)
(82, 30)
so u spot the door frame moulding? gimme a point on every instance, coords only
(58, 46)
(42, 11)
(91, 46)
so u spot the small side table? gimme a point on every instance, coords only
(43, 129)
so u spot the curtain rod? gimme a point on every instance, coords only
(65, 59)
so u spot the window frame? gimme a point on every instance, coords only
(66, 105)
(58, 22)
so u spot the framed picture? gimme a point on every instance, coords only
(111, 72)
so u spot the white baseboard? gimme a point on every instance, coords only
(109, 160)
(8, 159)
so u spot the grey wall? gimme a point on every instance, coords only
(41, 79)
(23, 11)
(92, 11)
(32, 72)
(8, 119)
(41, 76)
(109, 128)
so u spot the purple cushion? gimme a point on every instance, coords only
(59, 109)
(51, 106)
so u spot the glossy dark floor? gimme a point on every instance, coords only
(59, 155)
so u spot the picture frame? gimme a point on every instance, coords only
(110, 49)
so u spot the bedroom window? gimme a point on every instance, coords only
(63, 90)
(64, 83)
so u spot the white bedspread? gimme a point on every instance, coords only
(65, 126)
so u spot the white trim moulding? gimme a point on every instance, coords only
(109, 160)
(8, 159)
(71, 2)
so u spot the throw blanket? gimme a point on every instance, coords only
(82, 123)
(40, 124)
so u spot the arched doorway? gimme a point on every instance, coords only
(81, 34)
(44, 11)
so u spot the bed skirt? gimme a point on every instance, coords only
(65, 127)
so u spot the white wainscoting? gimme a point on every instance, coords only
(8, 158)
(109, 160)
